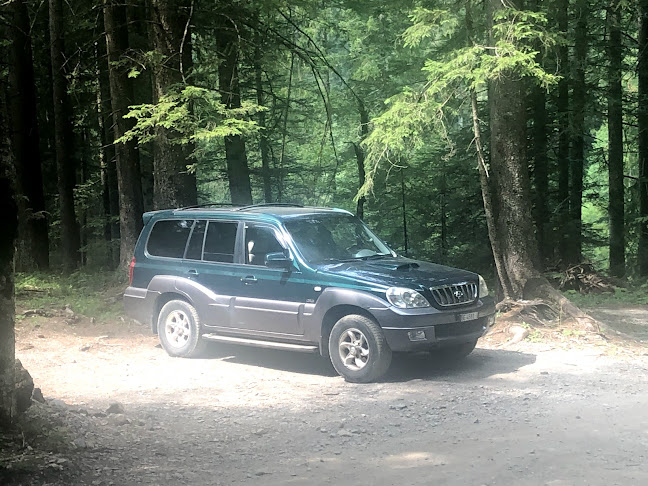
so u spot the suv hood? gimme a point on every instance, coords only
(397, 272)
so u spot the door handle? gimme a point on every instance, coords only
(192, 272)
(249, 280)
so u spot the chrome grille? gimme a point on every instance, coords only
(456, 294)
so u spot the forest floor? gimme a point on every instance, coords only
(559, 408)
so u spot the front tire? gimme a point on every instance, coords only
(179, 329)
(358, 349)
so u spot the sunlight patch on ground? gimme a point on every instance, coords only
(410, 459)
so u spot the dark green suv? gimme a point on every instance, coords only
(302, 279)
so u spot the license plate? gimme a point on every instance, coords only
(470, 316)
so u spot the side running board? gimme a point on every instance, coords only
(302, 348)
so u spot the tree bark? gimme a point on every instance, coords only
(488, 199)
(540, 163)
(107, 155)
(173, 184)
(562, 109)
(33, 231)
(228, 78)
(65, 163)
(129, 180)
(360, 156)
(264, 144)
(83, 173)
(485, 180)
(8, 233)
(140, 39)
(284, 129)
(404, 210)
(615, 141)
(577, 159)
(642, 120)
(443, 237)
(510, 184)
(541, 173)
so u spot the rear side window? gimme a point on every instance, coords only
(219, 242)
(195, 247)
(169, 238)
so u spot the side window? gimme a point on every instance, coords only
(168, 238)
(259, 241)
(195, 246)
(219, 242)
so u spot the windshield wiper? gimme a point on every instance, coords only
(336, 260)
(353, 259)
(376, 256)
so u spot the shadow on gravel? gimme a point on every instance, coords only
(290, 361)
(481, 364)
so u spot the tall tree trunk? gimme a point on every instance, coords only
(65, 163)
(107, 155)
(360, 156)
(140, 39)
(510, 183)
(615, 140)
(264, 144)
(8, 233)
(228, 47)
(577, 159)
(541, 172)
(506, 196)
(404, 210)
(24, 123)
(506, 191)
(443, 193)
(284, 130)
(487, 195)
(173, 184)
(485, 179)
(129, 178)
(562, 109)
(84, 172)
(540, 163)
(642, 120)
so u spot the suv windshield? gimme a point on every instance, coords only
(335, 237)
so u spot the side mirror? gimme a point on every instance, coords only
(278, 260)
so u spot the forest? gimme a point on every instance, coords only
(508, 138)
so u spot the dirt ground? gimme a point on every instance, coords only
(568, 412)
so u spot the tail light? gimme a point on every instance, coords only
(131, 267)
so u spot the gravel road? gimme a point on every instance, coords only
(530, 414)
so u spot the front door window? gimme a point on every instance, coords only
(259, 241)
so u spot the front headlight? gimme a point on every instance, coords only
(406, 298)
(483, 288)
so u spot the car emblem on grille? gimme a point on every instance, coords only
(458, 294)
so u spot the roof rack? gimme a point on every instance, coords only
(207, 205)
(265, 205)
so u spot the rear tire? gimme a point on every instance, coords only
(358, 349)
(179, 329)
(454, 353)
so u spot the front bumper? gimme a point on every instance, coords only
(418, 331)
(438, 336)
